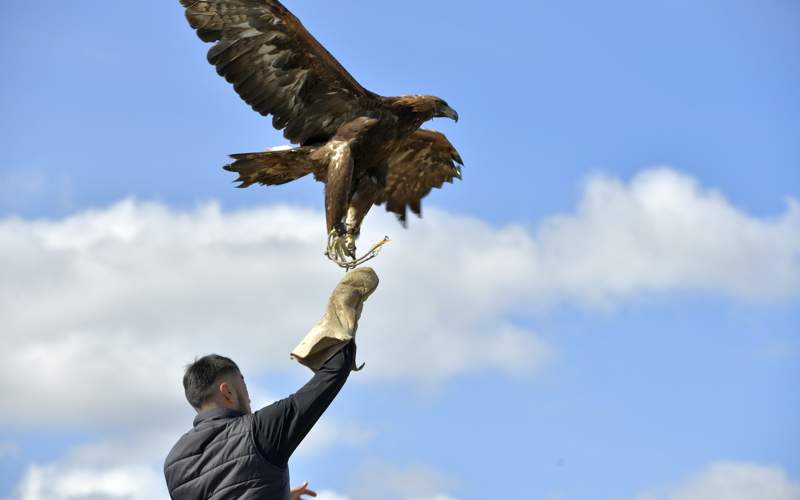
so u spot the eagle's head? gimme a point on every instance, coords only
(427, 106)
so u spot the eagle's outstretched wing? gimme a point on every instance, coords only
(277, 67)
(423, 161)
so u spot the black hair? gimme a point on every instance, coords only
(198, 381)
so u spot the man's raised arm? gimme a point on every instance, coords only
(281, 426)
(329, 349)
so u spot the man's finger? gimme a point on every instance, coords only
(299, 489)
(298, 492)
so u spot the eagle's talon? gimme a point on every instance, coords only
(341, 248)
(342, 252)
(350, 245)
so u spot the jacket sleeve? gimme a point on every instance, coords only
(280, 427)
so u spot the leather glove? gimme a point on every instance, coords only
(339, 323)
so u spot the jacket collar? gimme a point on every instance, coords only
(216, 414)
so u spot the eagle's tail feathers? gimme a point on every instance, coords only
(272, 168)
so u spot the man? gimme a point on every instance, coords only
(233, 453)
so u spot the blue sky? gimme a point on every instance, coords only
(619, 268)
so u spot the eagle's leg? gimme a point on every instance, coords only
(337, 194)
(342, 246)
(366, 193)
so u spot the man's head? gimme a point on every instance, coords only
(215, 381)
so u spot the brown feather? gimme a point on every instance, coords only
(278, 68)
(423, 161)
(272, 168)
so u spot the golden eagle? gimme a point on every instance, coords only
(366, 148)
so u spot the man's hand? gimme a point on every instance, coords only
(298, 491)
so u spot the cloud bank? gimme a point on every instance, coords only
(101, 310)
(733, 481)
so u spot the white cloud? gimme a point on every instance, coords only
(123, 467)
(393, 482)
(663, 232)
(328, 434)
(330, 495)
(102, 310)
(56, 482)
(733, 481)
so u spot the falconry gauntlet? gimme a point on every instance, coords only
(340, 321)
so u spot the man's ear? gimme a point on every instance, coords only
(227, 392)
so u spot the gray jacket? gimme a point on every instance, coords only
(218, 459)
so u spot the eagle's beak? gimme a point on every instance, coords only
(448, 112)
